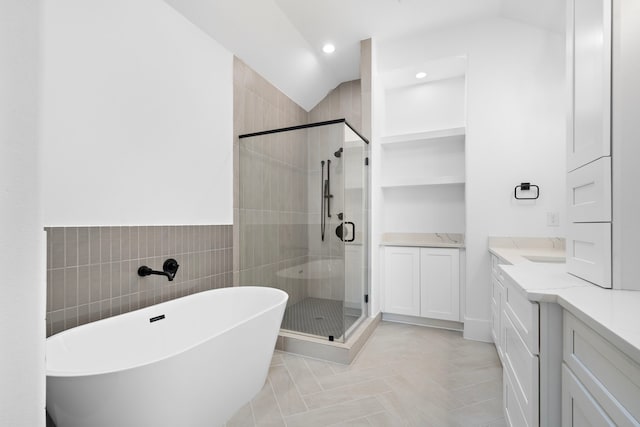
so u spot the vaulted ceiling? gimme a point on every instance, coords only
(283, 39)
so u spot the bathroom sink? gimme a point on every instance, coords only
(546, 259)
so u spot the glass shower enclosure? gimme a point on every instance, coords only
(303, 207)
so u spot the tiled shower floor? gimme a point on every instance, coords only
(317, 316)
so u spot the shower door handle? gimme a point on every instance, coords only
(353, 231)
(340, 231)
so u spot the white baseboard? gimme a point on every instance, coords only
(422, 321)
(477, 329)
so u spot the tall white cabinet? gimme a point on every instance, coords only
(589, 65)
(603, 62)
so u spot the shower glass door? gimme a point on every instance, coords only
(302, 210)
(355, 227)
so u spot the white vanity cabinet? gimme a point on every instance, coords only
(497, 292)
(530, 344)
(600, 384)
(520, 331)
(422, 282)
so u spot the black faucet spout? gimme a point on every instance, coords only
(170, 268)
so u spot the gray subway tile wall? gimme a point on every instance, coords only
(92, 271)
(269, 231)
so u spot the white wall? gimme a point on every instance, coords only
(433, 105)
(138, 118)
(515, 133)
(22, 286)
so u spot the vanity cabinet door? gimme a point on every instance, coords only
(496, 313)
(440, 283)
(611, 378)
(579, 408)
(402, 280)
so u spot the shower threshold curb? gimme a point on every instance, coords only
(330, 351)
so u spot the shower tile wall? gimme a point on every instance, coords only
(274, 233)
(343, 102)
(92, 271)
(273, 213)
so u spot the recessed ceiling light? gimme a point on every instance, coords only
(421, 75)
(328, 48)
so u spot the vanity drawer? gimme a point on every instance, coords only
(525, 315)
(513, 414)
(611, 377)
(495, 267)
(590, 192)
(496, 292)
(496, 333)
(589, 252)
(523, 369)
(496, 314)
(579, 408)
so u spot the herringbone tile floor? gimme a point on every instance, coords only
(405, 376)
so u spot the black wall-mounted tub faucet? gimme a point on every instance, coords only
(169, 269)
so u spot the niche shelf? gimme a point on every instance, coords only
(393, 141)
(408, 182)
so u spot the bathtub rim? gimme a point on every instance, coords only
(67, 374)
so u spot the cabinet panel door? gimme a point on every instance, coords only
(590, 192)
(611, 377)
(589, 252)
(579, 408)
(496, 310)
(440, 283)
(402, 280)
(513, 413)
(589, 68)
(524, 371)
(525, 315)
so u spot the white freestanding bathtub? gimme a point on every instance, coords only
(192, 361)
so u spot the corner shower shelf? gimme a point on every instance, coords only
(422, 137)
(441, 180)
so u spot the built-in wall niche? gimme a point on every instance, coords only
(423, 147)
(424, 159)
(429, 209)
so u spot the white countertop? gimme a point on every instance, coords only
(430, 240)
(613, 314)
(541, 282)
(517, 255)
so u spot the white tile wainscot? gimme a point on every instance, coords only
(587, 322)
